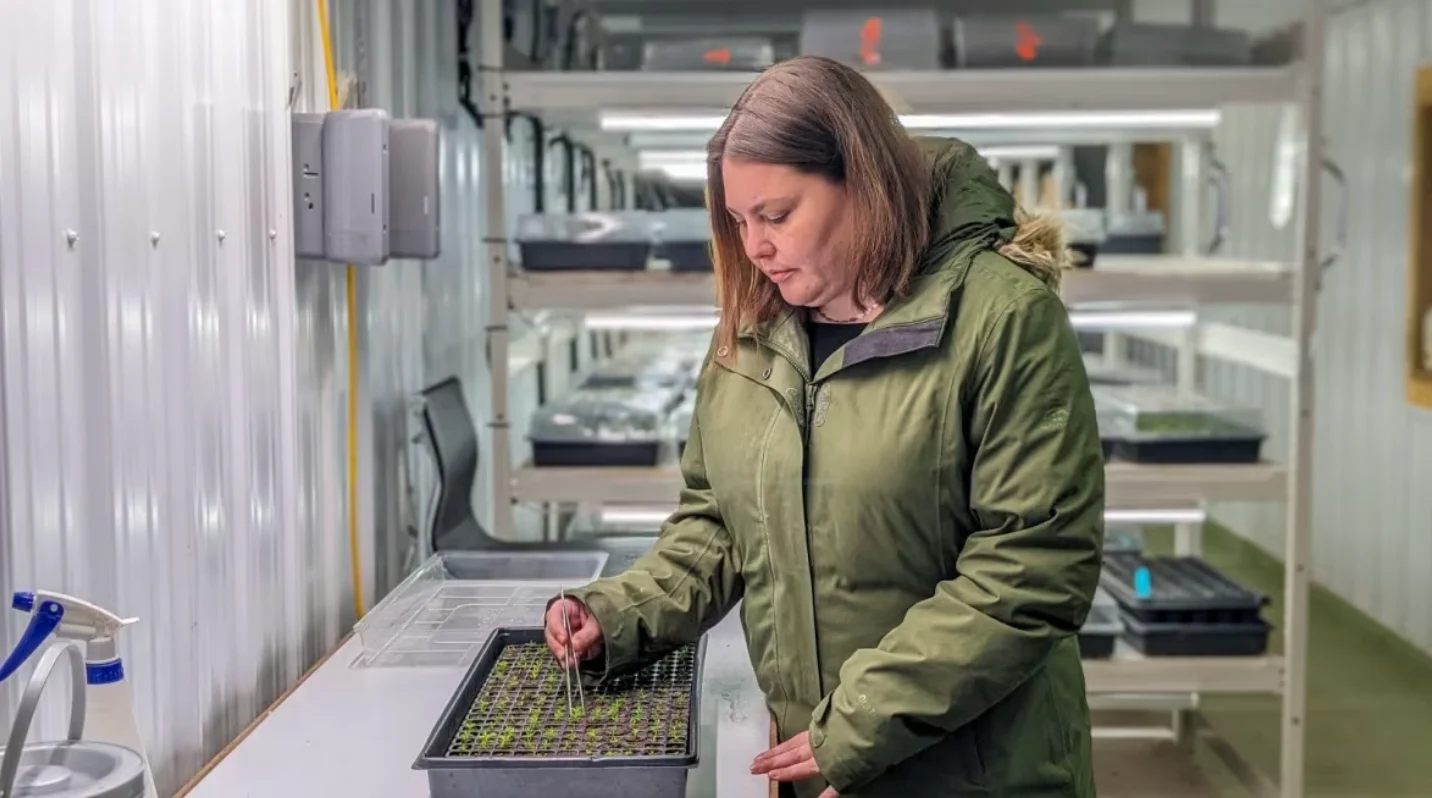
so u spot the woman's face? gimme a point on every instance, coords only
(794, 227)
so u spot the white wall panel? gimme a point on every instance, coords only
(154, 458)
(1371, 503)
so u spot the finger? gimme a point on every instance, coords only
(783, 759)
(587, 637)
(794, 742)
(796, 772)
(829, 792)
(555, 630)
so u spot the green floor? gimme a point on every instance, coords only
(1369, 731)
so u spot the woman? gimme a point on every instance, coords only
(893, 460)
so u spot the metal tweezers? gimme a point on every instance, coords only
(567, 676)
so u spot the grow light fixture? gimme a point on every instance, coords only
(1186, 515)
(1132, 319)
(652, 322)
(1184, 119)
(652, 516)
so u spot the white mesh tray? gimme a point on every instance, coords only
(434, 619)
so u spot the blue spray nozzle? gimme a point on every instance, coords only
(1143, 583)
(23, 601)
(44, 620)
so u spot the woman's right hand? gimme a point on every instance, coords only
(586, 640)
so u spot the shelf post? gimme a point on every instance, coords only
(1298, 540)
(494, 105)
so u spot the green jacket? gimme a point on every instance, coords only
(916, 606)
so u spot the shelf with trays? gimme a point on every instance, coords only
(1116, 279)
(1127, 484)
(1129, 672)
(990, 91)
(992, 103)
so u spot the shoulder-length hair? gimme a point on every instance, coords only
(821, 117)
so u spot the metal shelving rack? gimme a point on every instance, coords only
(1167, 683)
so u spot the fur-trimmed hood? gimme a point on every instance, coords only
(970, 209)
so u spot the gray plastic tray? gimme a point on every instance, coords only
(454, 776)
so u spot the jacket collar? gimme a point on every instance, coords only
(970, 212)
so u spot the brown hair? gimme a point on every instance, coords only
(821, 117)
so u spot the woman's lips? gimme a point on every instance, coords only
(781, 275)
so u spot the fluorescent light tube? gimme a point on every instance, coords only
(650, 323)
(1187, 515)
(1054, 120)
(1133, 319)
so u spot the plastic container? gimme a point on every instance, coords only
(876, 38)
(602, 427)
(613, 241)
(727, 53)
(1197, 640)
(1183, 590)
(1104, 374)
(506, 732)
(1134, 233)
(1145, 44)
(683, 238)
(1161, 424)
(1101, 629)
(1011, 41)
(1123, 538)
(1084, 232)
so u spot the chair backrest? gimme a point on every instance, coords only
(452, 441)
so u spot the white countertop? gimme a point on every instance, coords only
(355, 731)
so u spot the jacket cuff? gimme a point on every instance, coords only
(841, 768)
(620, 640)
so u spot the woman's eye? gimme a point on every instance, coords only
(777, 219)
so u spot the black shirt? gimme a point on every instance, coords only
(825, 338)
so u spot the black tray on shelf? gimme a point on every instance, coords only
(1197, 639)
(1184, 590)
(566, 256)
(687, 256)
(515, 738)
(1188, 450)
(1099, 633)
(642, 454)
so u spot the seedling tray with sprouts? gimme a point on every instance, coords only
(507, 731)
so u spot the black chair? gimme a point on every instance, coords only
(451, 439)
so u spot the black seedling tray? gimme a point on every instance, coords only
(694, 256)
(1184, 590)
(559, 455)
(1197, 640)
(559, 256)
(1099, 633)
(1189, 450)
(507, 732)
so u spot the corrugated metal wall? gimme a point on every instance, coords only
(1373, 451)
(174, 428)
(154, 461)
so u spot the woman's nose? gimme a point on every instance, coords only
(757, 245)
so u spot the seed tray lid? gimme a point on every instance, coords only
(590, 227)
(1161, 412)
(434, 754)
(1177, 584)
(610, 415)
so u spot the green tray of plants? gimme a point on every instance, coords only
(508, 731)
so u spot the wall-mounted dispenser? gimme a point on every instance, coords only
(416, 229)
(366, 188)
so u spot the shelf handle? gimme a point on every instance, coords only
(1339, 245)
(1222, 184)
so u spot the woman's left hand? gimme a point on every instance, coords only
(792, 760)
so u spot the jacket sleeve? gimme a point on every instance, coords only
(1024, 579)
(677, 591)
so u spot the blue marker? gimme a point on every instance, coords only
(1143, 583)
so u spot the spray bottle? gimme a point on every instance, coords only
(109, 704)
